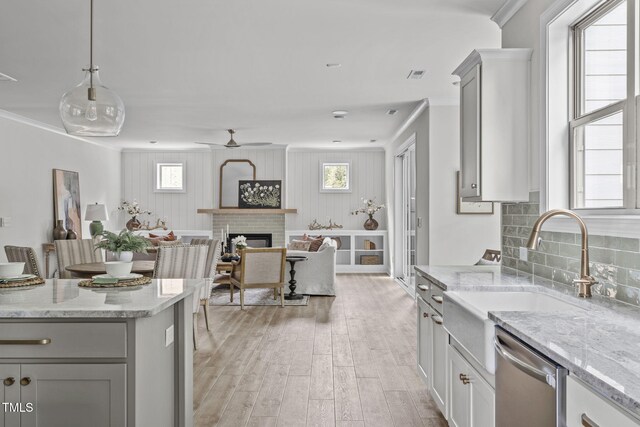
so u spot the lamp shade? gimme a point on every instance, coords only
(96, 212)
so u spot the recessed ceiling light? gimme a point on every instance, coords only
(7, 78)
(373, 140)
(456, 83)
(153, 142)
(340, 113)
(416, 74)
(334, 65)
(391, 112)
(336, 141)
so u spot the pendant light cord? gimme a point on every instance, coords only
(92, 92)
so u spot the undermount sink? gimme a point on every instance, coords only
(466, 317)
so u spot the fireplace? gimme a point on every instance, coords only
(254, 240)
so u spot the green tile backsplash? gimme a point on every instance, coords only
(614, 261)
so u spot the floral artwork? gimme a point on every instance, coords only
(260, 194)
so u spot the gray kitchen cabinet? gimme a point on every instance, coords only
(439, 377)
(10, 376)
(494, 125)
(424, 341)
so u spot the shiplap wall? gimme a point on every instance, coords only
(367, 180)
(202, 181)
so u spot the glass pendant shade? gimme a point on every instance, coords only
(92, 109)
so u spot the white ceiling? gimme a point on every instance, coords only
(189, 69)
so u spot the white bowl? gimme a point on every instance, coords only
(11, 269)
(118, 268)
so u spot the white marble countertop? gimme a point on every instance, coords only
(601, 345)
(65, 299)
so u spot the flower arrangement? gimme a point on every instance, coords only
(132, 208)
(370, 207)
(260, 195)
(240, 242)
(125, 241)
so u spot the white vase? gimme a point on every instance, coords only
(126, 256)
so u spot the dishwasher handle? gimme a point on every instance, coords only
(524, 367)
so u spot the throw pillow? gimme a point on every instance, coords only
(327, 243)
(308, 237)
(167, 238)
(315, 244)
(299, 245)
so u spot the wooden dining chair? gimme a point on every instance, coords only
(213, 255)
(183, 262)
(26, 255)
(70, 252)
(259, 268)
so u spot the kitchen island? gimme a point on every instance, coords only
(113, 357)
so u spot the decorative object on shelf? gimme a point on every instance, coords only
(239, 243)
(259, 194)
(370, 208)
(91, 109)
(369, 245)
(231, 172)
(66, 200)
(370, 260)
(161, 224)
(96, 213)
(133, 209)
(71, 235)
(59, 232)
(315, 225)
(123, 244)
(467, 208)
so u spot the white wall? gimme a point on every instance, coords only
(367, 181)
(453, 239)
(29, 154)
(523, 30)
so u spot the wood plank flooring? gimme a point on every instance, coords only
(348, 360)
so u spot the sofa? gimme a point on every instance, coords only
(316, 275)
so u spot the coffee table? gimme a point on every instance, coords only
(292, 283)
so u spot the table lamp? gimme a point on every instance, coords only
(96, 213)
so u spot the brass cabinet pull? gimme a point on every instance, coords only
(465, 379)
(437, 319)
(36, 341)
(587, 422)
(9, 381)
(425, 314)
(437, 299)
(25, 381)
(423, 288)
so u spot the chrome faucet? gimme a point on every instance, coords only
(586, 280)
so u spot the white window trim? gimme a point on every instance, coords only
(167, 190)
(554, 122)
(335, 190)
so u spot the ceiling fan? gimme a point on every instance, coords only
(233, 144)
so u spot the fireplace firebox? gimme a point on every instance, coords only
(254, 240)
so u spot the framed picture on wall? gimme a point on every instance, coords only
(259, 194)
(66, 200)
(470, 208)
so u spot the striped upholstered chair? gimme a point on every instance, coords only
(183, 262)
(70, 252)
(259, 268)
(213, 255)
(26, 255)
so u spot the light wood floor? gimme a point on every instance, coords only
(348, 360)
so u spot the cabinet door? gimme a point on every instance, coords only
(74, 395)
(459, 390)
(483, 405)
(10, 411)
(470, 134)
(439, 377)
(424, 341)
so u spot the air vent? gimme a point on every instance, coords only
(6, 78)
(392, 112)
(416, 74)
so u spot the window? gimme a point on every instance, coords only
(170, 177)
(335, 177)
(599, 109)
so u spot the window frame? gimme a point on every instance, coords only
(158, 173)
(578, 119)
(323, 164)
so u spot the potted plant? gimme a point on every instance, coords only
(370, 208)
(123, 244)
(134, 210)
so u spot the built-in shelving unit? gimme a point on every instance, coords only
(356, 251)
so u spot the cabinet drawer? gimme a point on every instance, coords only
(54, 340)
(586, 408)
(422, 287)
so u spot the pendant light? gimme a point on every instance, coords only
(91, 109)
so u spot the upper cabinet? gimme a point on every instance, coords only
(494, 125)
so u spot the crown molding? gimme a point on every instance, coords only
(506, 11)
(422, 105)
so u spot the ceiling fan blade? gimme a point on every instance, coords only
(254, 144)
(211, 144)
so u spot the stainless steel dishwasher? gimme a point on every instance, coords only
(530, 388)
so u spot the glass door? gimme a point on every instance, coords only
(407, 223)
